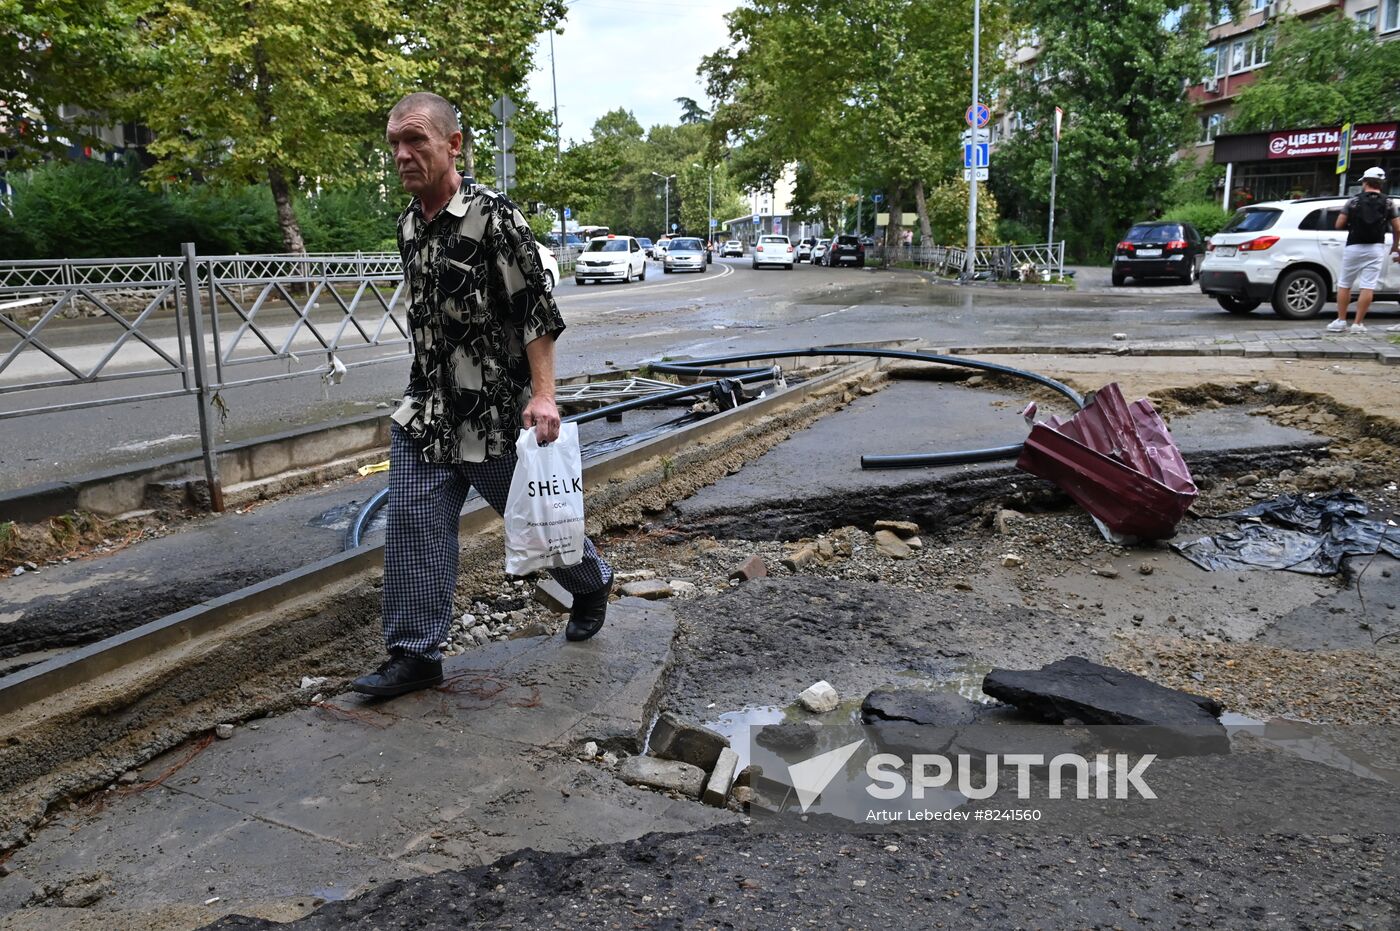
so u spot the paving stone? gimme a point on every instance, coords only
(674, 738)
(666, 775)
(650, 589)
(721, 778)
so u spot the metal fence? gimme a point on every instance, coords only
(1033, 262)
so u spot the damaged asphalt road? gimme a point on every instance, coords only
(1004, 575)
(733, 877)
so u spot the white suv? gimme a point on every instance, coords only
(1287, 252)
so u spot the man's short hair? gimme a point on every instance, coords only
(1373, 183)
(442, 114)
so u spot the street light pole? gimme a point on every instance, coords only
(969, 262)
(709, 230)
(666, 223)
(558, 152)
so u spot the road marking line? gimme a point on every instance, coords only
(835, 312)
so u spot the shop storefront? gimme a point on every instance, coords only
(1295, 163)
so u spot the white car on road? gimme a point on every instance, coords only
(1287, 252)
(551, 266)
(773, 250)
(619, 257)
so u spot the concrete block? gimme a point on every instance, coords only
(666, 775)
(674, 738)
(553, 596)
(721, 778)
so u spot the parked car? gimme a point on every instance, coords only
(773, 250)
(804, 249)
(819, 250)
(684, 254)
(733, 248)
(658, 248)
(646, 245)
(611, 256)
(1287, 252)
(845, 250)
(1159, 249)
(551, 266)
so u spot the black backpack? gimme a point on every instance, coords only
(1370, 216)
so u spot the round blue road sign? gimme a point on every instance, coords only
(978, 115)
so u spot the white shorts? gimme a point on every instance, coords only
(1361, 266)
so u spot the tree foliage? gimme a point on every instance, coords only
(284, 91)
(613, 177)
(472, 53)
(1118, 70)
(863, 96)
(55, 53)
(1323, 72)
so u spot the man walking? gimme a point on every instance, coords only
(1365, 218)
(483, 325)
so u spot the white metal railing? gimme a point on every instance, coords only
(1006, 262)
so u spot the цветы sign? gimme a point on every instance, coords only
(1317, 143)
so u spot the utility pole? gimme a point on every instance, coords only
(558, 151)
(969, 262)
(1054, 168)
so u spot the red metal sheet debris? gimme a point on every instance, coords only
(1117, 461)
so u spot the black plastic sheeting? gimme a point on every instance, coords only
(1298, 533)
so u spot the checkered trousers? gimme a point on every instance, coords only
(421, 549)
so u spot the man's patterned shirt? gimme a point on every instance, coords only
(477, 297)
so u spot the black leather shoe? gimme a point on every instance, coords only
(587, 614)
(399, 674)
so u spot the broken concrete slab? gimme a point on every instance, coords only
(1078, 690)
(887, 543)
(900, 528)
(650, 589)
(666, 775)
(813, 481)
(721, 778)
(674, 738)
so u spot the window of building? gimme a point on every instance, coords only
(1390, 19)
(1239, 56)
(1260, 51)
(1226, 14)
(1368, 18)
(1260, 4)
(1211, 126)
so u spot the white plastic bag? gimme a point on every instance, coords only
(544, 510)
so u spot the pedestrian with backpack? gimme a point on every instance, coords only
(1365, 218)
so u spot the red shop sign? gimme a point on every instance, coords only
(1317, 143)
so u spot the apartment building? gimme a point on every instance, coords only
(1296, 161)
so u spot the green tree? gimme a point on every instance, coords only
(864, 97)
(1117, 69)
(280, 91)
(471, 53)
(1323, 72)
(55, 54)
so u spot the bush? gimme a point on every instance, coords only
(1205, 216)
(947, 214)
(346, 220)
(225, 219)
(88, 209)
(1018, 233)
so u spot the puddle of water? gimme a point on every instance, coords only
(966, 681)
(1309, 742)
(337, 518)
